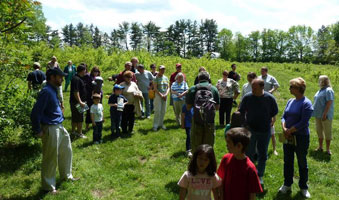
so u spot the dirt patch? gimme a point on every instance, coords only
(142, 160)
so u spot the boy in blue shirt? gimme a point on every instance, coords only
(116, 102)
(186, 122)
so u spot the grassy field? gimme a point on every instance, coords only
(147, 164)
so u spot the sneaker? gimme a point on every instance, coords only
(275, 152)
(143, 117)
(261, 180)
(155, 128)
(284, 189)
(189, 154)
(164, 127)
(305, 193)
(82, 136)
(148, 117)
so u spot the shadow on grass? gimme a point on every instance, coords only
(40, 195)
(167, 121)
(288, 196)
(145, 131)
(172, 187)
(179, 154)
(320, 156)
(263, 194)
(13, 158)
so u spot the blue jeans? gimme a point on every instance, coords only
(303, 142)
(147, 105)
(259, 141)
(115, 122)
(97, 130)
(188, 138)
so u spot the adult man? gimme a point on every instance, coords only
(53, 63)
(70, 71)
(35, 78)
(259, 107)
(120, 77)
(172, 79)
(78, 96)
(135, 62)
(144, 79)
(202, 133)
(234, 75)
(47, 119)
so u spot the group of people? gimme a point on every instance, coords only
(139, 92)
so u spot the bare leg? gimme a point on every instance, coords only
(320, 143)
(328, 143)
(74, 125)
(79, 127)
(274, 145)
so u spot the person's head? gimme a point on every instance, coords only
(96, 98)
(128, 75)
(134, 61)
(85, 65)
(179, 77)
(202, 69)
(225, 74)
(128, 66)
(297, 86)
(258, 87)
(237, 120)
(54, 59)
(95, 71)
(162, 70)
(81, 70)
(55, 76)
(234, 67)
(203, 76)
(141, 68)
(251, 76)
(203, 161)
(178, 67)
(36, 65)
(264, 71)
(117, 89)
(237, 140)
(324, 81)
(153, 67)
(69, 62)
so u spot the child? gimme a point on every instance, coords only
(200, 179)
(186, 121)
(117, 102)
(238, 173)
(97, 117)
(237, 120)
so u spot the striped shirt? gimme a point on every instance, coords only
(180, 88)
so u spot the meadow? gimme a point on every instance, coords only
(148, 164)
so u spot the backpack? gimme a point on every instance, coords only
(204, 105)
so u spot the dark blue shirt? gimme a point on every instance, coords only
(298, 113)
(258, 111)
(36, 77)
(188, 116)
(47, 109)
(113, 99)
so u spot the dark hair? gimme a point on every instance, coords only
(204, 75)
(95, 69)
(81, 67)
(212, 166)
(239, 135)
(252, 75)
(233, 65)
(237, 120)
(152, 66)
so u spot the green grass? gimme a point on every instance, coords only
(147, 165)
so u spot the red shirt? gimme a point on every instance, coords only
(239, 177)
(121, 79)
(172, 78)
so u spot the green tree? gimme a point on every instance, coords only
(241, 48)
(150, 31)
(124, 29)
(254, 45)
(97, 38)
(301, 40)
(209, 33)
(193, 43)
(136, 36)
(226, 46)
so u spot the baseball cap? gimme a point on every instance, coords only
(55, 71)
(37, 64)
(141, 66)
(178, 65)
(117, 86)
(162, 67)
(96, 95)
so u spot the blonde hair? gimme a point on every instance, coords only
(178, 75)
(324, 81)
(299, 83)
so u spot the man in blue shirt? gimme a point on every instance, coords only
(47, 118)
(259, 107)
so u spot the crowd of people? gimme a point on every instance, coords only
(138, 92)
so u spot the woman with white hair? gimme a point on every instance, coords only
(323, 112)
(178, 90)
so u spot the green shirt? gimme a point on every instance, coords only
(162, 83)
(190, 96)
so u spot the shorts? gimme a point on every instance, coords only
(76, 116)
(324, 128)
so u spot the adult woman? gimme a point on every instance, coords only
(154, 73)
(247, 87)
(132, 94)
(228, 91)
(323, 112)
(70, 71)
(295, 122)
(179, 89)
(201, 69)
(161, 88)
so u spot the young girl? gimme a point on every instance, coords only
(201, 177)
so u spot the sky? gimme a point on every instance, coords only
(242, 16)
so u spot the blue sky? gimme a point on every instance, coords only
(237, 15)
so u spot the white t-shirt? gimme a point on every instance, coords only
(97, 110)
(199, 187)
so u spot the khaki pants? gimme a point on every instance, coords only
(324, 128)
(159, 111)
(202, 134)
(177, 107)
(56, 150)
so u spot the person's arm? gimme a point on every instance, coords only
(273, 120)
(37, 112)
(236, 90)
(252, 196)
(182, 120)
(275, 85)
(78, 99)
(306, 113)
(29, 85)
(183, 193)
(92, 118)
(327, 108)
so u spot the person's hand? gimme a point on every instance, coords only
(39, 135)
(324, 117)
(82, 104)
(115, 105)
(93, 124)
(110, 78)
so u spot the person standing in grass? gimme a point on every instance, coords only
(247, 87)
(70, 71)
(238, 173)
(295, 124)
(120, 78)
(201, 178)
(144, 79)
(161, 88)
(196, 80)
(323, 112)
(135, 62)
(186, 122)
(117, 103)
(178, 90)
(52, 64)
(172, 79)
(35, 79)
(47, 118)
(154, 73)
(97, 116)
